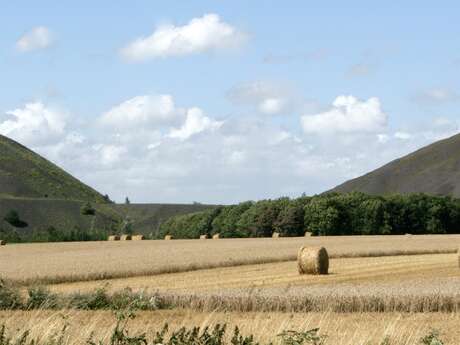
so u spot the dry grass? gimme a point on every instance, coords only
(342, 329)
(84, 261)
(402, 283)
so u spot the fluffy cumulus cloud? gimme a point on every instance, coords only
(140, 111)
(207, 33)
(34, 124)
(267, 97)
(347, 115)
(39, 37)
(195, 122)
(181, 154)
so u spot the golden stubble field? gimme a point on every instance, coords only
(63, 262)
(252, 283)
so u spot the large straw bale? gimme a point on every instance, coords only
(313, 260)
(114, 238)
(126, 237)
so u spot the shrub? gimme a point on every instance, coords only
(87, 210)
(9, 297)
(41, 297)
(12, 217)
(299, 338)
(126, 299)
(431, 339)
(91, 301)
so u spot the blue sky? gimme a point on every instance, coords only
(259, 70)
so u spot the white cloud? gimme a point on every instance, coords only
(197, 157)
(34, 124)
(38, 38)
(383, 138)
(207, 33)
(195, 122)
(403, 135)
(271, 106)
(348, 114)
(110, 154)
(269, 98)
(147, 110)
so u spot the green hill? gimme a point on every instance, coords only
(65, 216)
(23, 173)
(146, 218)
(45, 197)
(434, 169)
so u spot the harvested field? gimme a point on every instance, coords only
(64, 262)
(417, 283)
(341, 329)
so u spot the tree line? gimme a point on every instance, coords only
(323, 215)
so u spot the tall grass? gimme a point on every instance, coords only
(184, 335)
(41, 298)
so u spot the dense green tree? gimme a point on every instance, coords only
(327, 214)
(290, 220)
(324, 217)
(259, 219)
(225, 223)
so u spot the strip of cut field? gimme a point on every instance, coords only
(283, 276)
(341, 329)
(84, 261)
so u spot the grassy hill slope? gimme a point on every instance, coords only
(44, 195)
(23, 173)
(146, 218)
(63, 215)
(434, 169)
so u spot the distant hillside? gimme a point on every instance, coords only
(434, 169)
(46, 196)
(146, 218)
(64, 215)
(24, 173)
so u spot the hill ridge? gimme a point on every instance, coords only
(25, 173)
(433, 169)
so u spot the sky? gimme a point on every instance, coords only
(226, 101)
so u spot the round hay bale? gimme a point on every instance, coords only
(308, 234)
(313, 260)
(114, 238)
(138, 238)
(2, 242)
(203, 237)
(458, 253)
(276, 235)
(215, 236)
(126, 237)
(168, 237)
